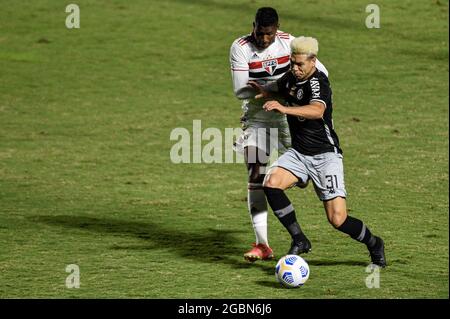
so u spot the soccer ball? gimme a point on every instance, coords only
(292, 271)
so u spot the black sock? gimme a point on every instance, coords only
(358, 231)
(283, 209)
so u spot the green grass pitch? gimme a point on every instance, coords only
(85, 170)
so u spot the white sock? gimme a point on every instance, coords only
(257, 206)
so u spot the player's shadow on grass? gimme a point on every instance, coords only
(210, 245)
(206, 245)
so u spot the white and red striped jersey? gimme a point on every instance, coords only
(262, 65)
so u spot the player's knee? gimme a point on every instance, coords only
(337, 217)
(272, 181)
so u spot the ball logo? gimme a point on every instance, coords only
(288, 277)
(290, 260)
(303, 271)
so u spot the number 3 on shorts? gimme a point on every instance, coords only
(332, 181)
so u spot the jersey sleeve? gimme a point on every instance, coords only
(320, 91)
(238, 59)
(239, 72)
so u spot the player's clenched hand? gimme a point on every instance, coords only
(274, 106)
(262, 93)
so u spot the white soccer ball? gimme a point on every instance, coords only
(292, 271)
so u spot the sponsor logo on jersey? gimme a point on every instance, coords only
(315, 88)
(270, 65)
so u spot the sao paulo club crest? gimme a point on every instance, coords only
(270, 65)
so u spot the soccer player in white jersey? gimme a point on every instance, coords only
(262, 56)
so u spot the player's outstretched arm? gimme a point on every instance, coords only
(312, 111)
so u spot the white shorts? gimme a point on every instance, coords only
(267, 136)
(325, 170)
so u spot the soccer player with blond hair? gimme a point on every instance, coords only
(315, 153)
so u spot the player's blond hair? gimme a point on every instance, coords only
(305, 45)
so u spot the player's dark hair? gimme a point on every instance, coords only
(266, 17)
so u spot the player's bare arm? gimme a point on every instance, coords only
(312, 111)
